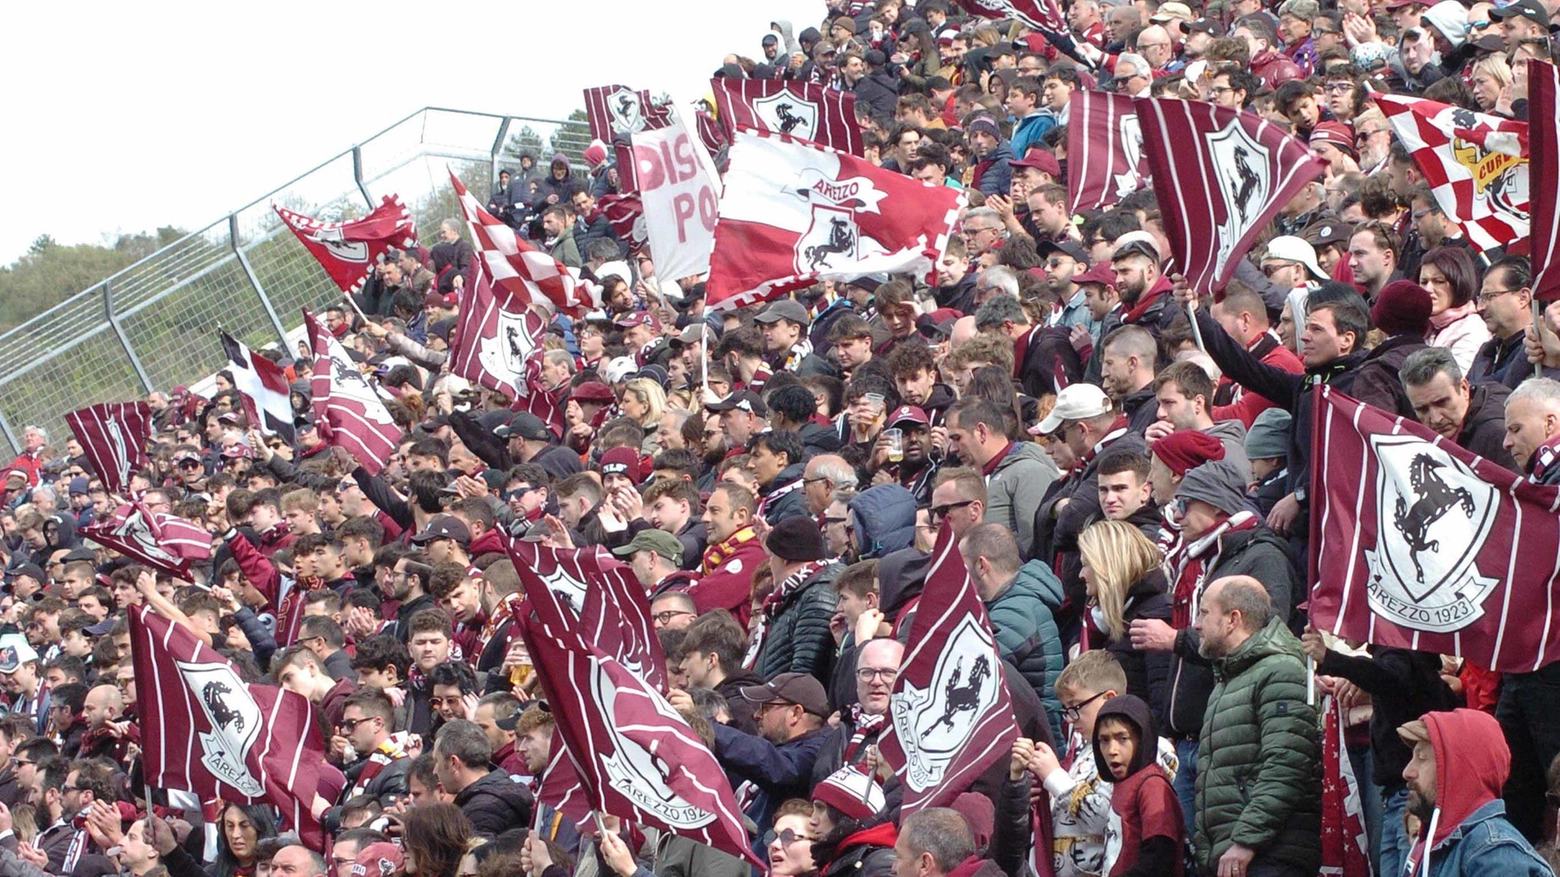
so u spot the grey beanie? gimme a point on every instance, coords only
(1269, 435)
(1217, 483)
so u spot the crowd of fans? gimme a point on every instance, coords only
(1132, 509)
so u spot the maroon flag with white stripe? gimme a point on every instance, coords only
(800, 109)
(1042, 14)
(559, 786)
(616, 111)
(264, 388)
(637, 758)
(205, 731)
(1419, 544)
(163, 542)
(1104, 150)
(348, 410)
(349, 250)
(626, 213)
(1221, 176)
(520, 269)
(498, 344)
(1544, 176)
(114, 435)
(952, 714)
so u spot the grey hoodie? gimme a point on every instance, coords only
(1015, 489)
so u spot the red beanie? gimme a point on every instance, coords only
(1403, 308)
(1186, 450)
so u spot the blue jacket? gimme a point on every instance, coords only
(993, 176)
(1486, 844)
(1023, 617)
(1028, 131)
(780, 772)
(885, 519)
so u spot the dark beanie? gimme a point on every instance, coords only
(1186, 450)
(1403, 308)
(796, 539)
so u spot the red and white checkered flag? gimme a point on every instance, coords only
(349, 250)
(114, 435)
(348, 410)
(520, 269)
(1474, 164)
(166, 543)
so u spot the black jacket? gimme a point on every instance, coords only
(1148, 673)
(1403, 685)
(798, 639)
(1501, 361)
(731, 689)
(495, 803)
(1484, 426)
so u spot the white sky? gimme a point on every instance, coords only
(131, 116)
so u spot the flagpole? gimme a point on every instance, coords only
(1197, 338)
(348, 296)
(1538, 332)
(1310, 681)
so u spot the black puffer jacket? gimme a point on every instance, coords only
(495, 803)
(798, 639)
(1148, 673)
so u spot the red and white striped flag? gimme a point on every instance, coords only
(1420, 544)
(1544, 176)
(1344, 843)
(801, 109)
(163, 542)
(627, 215)
(794, 213)
(348, 411)
(498, 344)
(616, 111)
(264, 388)
(1040, 14)
(1104, 149)
(349, 250)
(520, 269)
(205, 731)
(1221, 176)
(637, 758)
(951, 710)
(1474, 164)
(114, 435)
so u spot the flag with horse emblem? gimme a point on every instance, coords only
(1104, 148)
(616, 111)
(347, 408)
(497, 345)
(1420, 544)
(166, 543)
(801, 109)
(349, 250)
(1476, 165)
(951, 710)
(114, 436)
(794, 213)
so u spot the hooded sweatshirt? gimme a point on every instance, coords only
(1146, 831)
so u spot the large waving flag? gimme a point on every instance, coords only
(794, 213)
(1345, 847)
(114, 435)
(951, 710)
(636, 756)
(166, 543)
(349, 250)
(348, 410)
(1104, 149)
(1544, 175)
(264, 388)
(615, 111)
(1474, 164)
(526, 273)
(204, 730)
(1221, 175)
(801, 109)
(1039, 14)
(498, 344)
(1420, 544)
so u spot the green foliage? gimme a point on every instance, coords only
(51, 272)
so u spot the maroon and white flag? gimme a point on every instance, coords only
(800, 109)
(626, 213)
(349, 250)
(520, 269)
(636, 757)
(163, 542)
(1221, 176)
(617, 111)
(264, 387)
(1419, 544)
(348, 410)
(951, 710)
(1544, 176)
(205, 731)
(114, 435)
(498, 344)
(559, 786)
(1104, 150)
(794, 213)
(1041, 14)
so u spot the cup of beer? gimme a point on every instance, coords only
(894, 438)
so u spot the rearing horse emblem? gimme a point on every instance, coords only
(961, 698)
(1434, 499)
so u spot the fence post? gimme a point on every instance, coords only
(498, 146)
(249, 271)
(357, 175)
(10, 435)
(119, 332)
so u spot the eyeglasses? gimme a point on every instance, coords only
(867, 674)
(1071, 712)
(938, 512)
(665, 617)
(1272, 268)
(787, 837)
(1421, 214)
(839, 520)
(813, 480)
(189, 464)
(1366, 135)
(1485, 298)
(1338, 87)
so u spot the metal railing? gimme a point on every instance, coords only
(154, 324)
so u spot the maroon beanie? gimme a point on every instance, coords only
(1403, 308)
(622, 461)
(1186, 450)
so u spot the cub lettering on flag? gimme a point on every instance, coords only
(952, 715)
(163, 542)
(1106, 144)
(1221, 176)
(205, 731)
(616, 111)
(525, 272)
(1544, 176)
(1419, 544)
(264, 388)
(349, 250)
(114, 435)
(801, 109)
(794, 213)
(1474, 163)
(347, 408)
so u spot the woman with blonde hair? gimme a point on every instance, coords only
(1122, 574)
(644, 402)
(1491, 75)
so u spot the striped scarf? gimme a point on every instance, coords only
(1191, 564)
(867, 725)
(716, 555)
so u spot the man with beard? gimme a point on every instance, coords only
(915, 468)
(409, 588)
(1065, 261)
(1140, 284)
(66, 792)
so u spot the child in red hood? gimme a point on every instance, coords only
(1146, 834)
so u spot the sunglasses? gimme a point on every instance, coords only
(938, 512)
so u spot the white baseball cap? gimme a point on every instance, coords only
(1074, 402)
(1288, 248)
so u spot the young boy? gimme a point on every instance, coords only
(1080, 796)
(1146, 832)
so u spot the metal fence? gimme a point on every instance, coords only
(154, 324)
